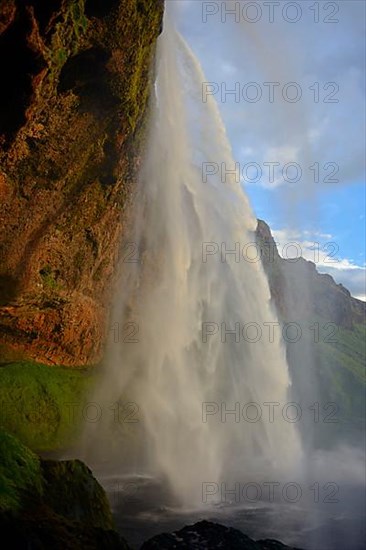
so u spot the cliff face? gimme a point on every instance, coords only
(327, 361)
(299, 291)
(75, 87)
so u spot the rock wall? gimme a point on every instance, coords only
(299, 291)
(76, 79)
(327, 366)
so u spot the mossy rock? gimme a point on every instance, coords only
(50, 504)
(71, 490)
(20, 473)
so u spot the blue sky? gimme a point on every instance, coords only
(324, 129)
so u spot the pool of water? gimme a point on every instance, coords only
(321, 519)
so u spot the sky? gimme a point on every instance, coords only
(289, 81)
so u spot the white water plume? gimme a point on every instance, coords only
(171, 372)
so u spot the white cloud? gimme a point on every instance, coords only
(353, 278)
(318, 248)
(305, 53)
(270, 175)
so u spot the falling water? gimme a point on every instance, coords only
(171, 372)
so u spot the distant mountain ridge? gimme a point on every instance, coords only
(327, 299)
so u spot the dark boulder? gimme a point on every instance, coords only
(210, 536)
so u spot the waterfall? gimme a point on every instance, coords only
(174, 369)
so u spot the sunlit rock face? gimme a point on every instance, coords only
(76, 81)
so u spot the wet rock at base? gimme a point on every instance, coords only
(206, 535)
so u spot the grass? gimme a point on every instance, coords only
(351, 350)
(342, 367)
(42, 405)
(337, 374)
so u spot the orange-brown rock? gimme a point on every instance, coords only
(76, 77)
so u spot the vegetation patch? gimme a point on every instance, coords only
(48, 278)
(67, 36)
(342, 367)
(42, 405)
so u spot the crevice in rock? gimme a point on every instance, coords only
(18, 65)
(43, 11)
(8, 289)
(98, 8)
(107, 175)
(87, 76)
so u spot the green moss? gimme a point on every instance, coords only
(60, 57)
(38, 403)
(80, 22)
(133, 85)
(67, 37)
(47, 503)
(48, 278)
(20, 471)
